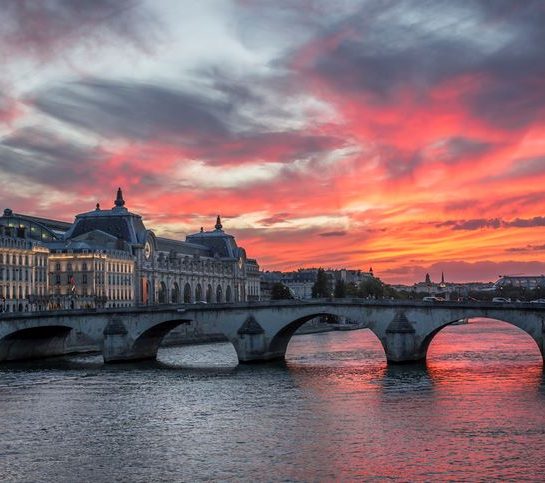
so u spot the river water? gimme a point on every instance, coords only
(333, 411)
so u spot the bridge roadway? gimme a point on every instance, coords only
(259, 331)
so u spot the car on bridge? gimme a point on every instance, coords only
(433, 299)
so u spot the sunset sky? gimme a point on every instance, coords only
(404, 135)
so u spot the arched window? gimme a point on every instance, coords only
(209, 293)
(228, 295)
(175, 293)
(187, 293)
(198, 293)
(219, 295)
(162, 293)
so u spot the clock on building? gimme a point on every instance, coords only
(147, 250)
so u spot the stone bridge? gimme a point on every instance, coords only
(259, 331)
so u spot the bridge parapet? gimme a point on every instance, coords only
(258, 330)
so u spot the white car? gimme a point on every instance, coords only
(502, 300)
(433, 299)
(537, 301)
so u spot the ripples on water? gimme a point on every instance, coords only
(333, 411)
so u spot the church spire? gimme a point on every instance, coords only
(218, 226)
(119, 201)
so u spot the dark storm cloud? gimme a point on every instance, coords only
(42, 28)
(382, 54)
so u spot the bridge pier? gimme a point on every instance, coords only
(252, 345)
(117, 344)
(401, 343)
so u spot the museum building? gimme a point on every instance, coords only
(108, 258)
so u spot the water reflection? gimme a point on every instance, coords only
(334, 410)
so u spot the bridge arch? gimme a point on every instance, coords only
(147, 343)
(528, 333)
(34, 342)
(280, 341)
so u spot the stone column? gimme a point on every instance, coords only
(400, 343)
(250, 344)
(117, 343)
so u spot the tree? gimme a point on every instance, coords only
(280, 292)
(371, 287)
(321, 288)
(340, 290)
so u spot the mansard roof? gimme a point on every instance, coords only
(217, 241)
(117, 221)
(182, 247)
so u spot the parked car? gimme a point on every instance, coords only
(433, 299)
(537, 301)
(502, 300)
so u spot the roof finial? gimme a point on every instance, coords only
(219, 226)
(119, 201)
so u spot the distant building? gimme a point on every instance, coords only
(526, 282)
(301, 281)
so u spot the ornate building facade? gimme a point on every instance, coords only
(108, 258)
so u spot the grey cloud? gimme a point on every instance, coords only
(527, 223)
(43, 28)
(523, 167)
(527, 248)
(39, 156)
(213, 127)
(477, 224)
(382, 53)
(494, 223)
(333, 233)
(275, 218)
(136, 111)
(450, 151)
